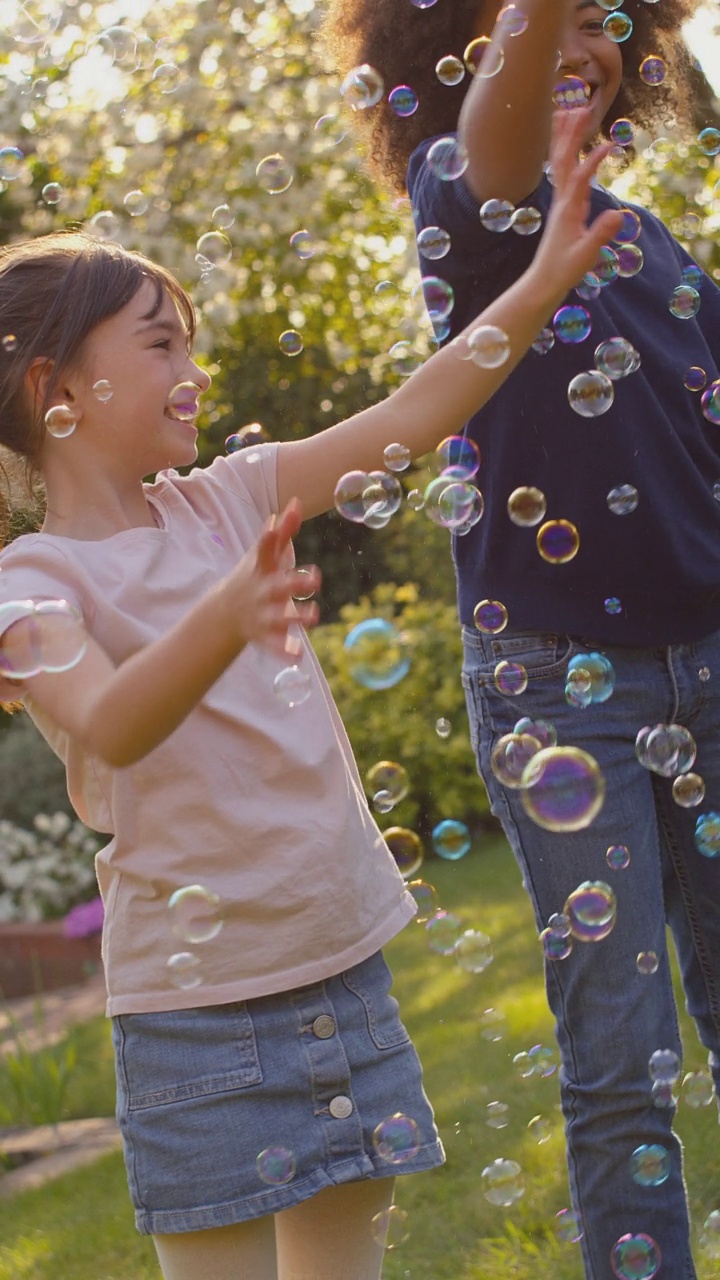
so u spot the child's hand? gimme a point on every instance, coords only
(569, 247)
(259, 592)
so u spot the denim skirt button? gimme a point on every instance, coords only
(324, 1026)
(341, 1107)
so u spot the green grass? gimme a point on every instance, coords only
(80, 1228)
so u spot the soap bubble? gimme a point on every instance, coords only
(666, 749)
(449, 503)
(615, 358)
(426, 898)
(483, 58)
(47, 636)
(709, 141)
(443, 931)
(136, 203)
(451, 839)
(653, 69)
(544, 1060)
(406, 848)
(630, 260)
(513, 20)
(623, 500)
(450, 70)
(688, 790)
(215, 248)
(292, 686)
(523, 1065)
(710, 403)
(591, 910)
(488, 346)
(493, 1024)
(184, 970)
(490, 616)
(662, 1095)
(618, 857)
(415, 500)
(166, 77)
(540, 1129)
(103, 391)
(276, 1166)
(526, 506)
(698, 1089)
(568, 1226)
(290, 342)
(403, 101)
(635, 1257)
(650, 1165)
(182, 402)
(473, 951)
(572, 324)
(598, 680)
(503, 1183)
(9, 343)
(397, 457)
(496, 1115)
(329, 131)
(389, 1227)
(447, 158)
(274, 174)
(707, 835)
(563, 788)
(303, 244)
(119, 44)
(622, 132)
(350, 496)
(433, 243)
(390, 777)
(223, 217)
(510, 757)
(630, 227)
(571, 92)
(439, 297)
(542, 730)
(710, 1238)
(590, 393)
(362, 87)
(544, 342)
(664, 1066)
(497, 215)
(684, 302)
(606, 267)
(195, 913)
(557, 541)
(511, 678)
(618, 27)
(52, 193)
(60, 421)
(526, 221)
(646, 962)
(457, 458)
(475, 514)
(397, 1139)
(695, 378)
(443, 728)
(104, 225)
(555, 945)
(377, 654)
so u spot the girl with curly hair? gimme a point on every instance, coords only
(596, 568)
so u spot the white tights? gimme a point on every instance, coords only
(327, 1237)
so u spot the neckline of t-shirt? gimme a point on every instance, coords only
(160, 514)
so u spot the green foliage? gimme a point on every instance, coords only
(32, 778)
(34, 1084)
(399, 724)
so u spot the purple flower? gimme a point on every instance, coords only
(84, 920)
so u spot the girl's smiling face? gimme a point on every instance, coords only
(586, 51)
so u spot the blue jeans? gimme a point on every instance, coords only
(609, 1017)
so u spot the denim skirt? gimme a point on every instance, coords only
(232, 1111)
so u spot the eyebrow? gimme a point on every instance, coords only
(588, 4)
(166, 326)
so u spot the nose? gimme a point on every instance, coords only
(573, 50)
(200, 377)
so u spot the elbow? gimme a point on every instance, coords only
(103, 737)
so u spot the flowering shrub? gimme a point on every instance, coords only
(47, 871)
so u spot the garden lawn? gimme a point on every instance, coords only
(80, 1228)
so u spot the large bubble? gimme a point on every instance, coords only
(591, 910)
(377, 654)
(563, 788)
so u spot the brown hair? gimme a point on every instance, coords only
(404, 43)
(54, 291)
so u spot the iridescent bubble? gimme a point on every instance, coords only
(623, 500)
(606, 267)
(276, 1166)
(542, 730)
(389, 1228)
(630, 227)
(449, 503)
(457, 458)
(618, 27)
(591, 910)
(664, 1066)
(544, 342)
(223, 217)
(447, 158)
(397, 457)
(526, 506)
(510, 757)
(215, 248)
(540, 1129)
(600, 675)
(404, 359)
(653, 69)
(382, 802)
(475, 514)
(103, 391)
(684, 302)
(650, 1165)
(555, 945)
(615, 357)
(523, 1065)
(590, 393)
(492, 1025)
(526, 221)
(303, 244)
(473, 951)
(612, 605)
(136, 203)
(274, 174)
(490, 616)
(52, 638)
(60, 421)
(544, 1060)
(513, 21)
(443, 931)
(663, 1096)
(646, 962)
(195, 913)
(630, 260)
(292, 686)
(415, 500)
(568, 1226)
(511, 678)
(688, 790)
(182, 402)
(497, 215)
(9, 343)
(589, 288)
(635, 1257)
(426, 898)
(558, 541)
(119, 44)
(707, 834)
(618, 857)
(377, 654)
(666, 749)
(166, 77)
(572, 324)
(695, 378)
(397, 1139)
(563, 789)
(433, 243)
(403, 100)
(571, 92)
(439, 297)
(709, 141)
(710, 403)
(692, 275)
(362, 87)
(710, 1238)
(104, 225)
(451, 839)
(697, 1089)
(622, 132)
(450, 70)
(488, 346)
(329, 131)
(406, 848)
(184, 970)
(503, 1183)
(52, 193)
(496, 1115)
(349, 496)
(443, 728)
(483, 58)
(290, 342)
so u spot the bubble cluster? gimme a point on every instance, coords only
(362, 87)
(666, 749)
(510, 757)
(43, 636)
(590, 679)
(591, 910)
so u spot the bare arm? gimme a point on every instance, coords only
(123, 713)
(440, 397)
(505, 121)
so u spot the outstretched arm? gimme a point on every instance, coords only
(445, 392)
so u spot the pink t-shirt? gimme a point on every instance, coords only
(259, 803)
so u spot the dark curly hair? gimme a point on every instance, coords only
(404, 43)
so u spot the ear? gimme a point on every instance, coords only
(37, 381)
